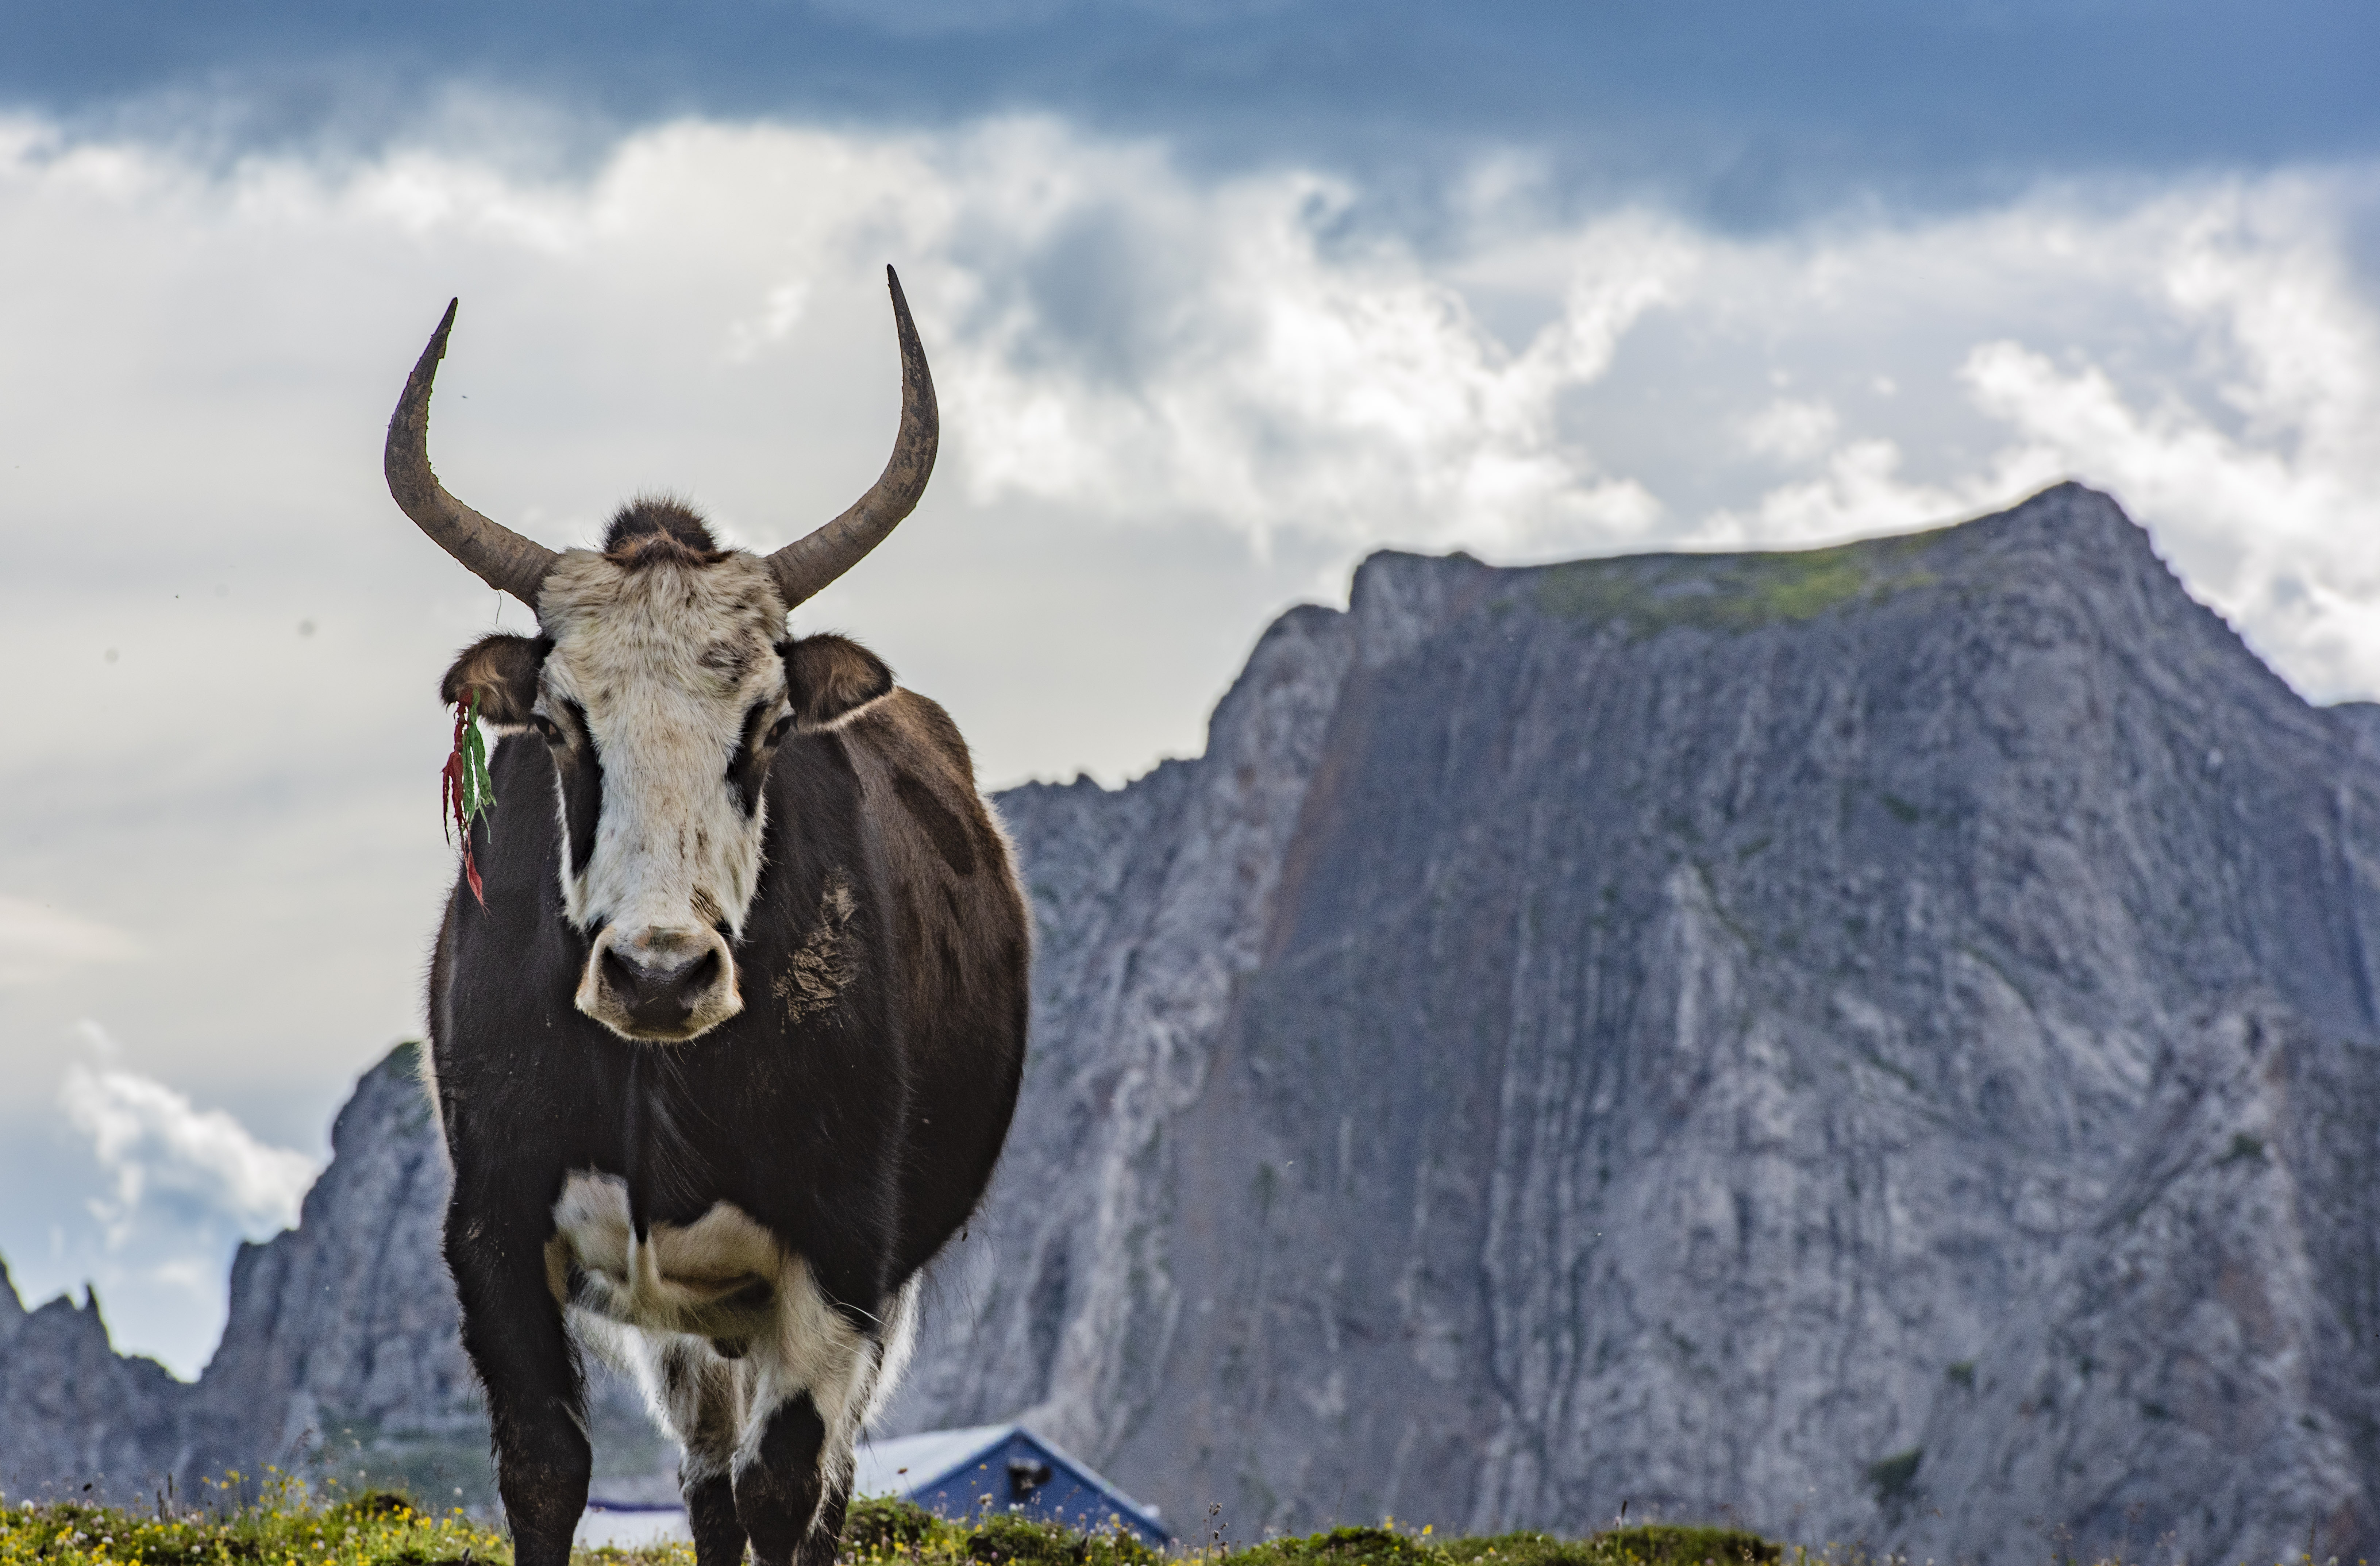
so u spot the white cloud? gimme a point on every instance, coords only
(1859, 491)
(1261, 356)
(1343, 389)
(151, 1217)
(162, 1153)
(2267, 501)
(39, 941)
(1792, 429)
(783, 310)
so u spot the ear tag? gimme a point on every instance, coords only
(465, 791)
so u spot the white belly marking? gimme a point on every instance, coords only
(716, 1277)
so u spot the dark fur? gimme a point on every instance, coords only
(827, 676)
(502, 669)
(653, 528)
(861, 1132)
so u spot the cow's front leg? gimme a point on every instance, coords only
(825, 1540)
(701, 1393)
(810, 1380)
(512, 1331)
(778, 1483)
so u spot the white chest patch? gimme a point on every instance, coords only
(719, 1276)
(719, 1322)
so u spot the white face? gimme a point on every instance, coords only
(665, 677)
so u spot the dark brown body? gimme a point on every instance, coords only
(853, 1110)
(729, 1049)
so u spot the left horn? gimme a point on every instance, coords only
(808, 564)
(489, 550)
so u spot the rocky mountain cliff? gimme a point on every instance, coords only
(1878, 1041)
(72, 1411)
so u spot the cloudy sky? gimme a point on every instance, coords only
(1222, 294)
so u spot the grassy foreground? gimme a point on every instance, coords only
(293, 1528)
(288, 1528)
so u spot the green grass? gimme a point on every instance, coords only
(1895, 1478)
(293, 1525)
(1650, 593)
(2245, 1149)
(289, 1526)
(886, 1533)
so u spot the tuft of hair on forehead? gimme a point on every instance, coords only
(651, 528)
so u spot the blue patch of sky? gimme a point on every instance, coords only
(1743, 116)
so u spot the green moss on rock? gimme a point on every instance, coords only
(1651, 593)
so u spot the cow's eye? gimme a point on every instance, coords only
(747, 767)
(759, 733)
(549, 729)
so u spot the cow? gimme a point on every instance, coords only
(726, 1039)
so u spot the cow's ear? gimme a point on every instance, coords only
(828, 678)
(503, 670)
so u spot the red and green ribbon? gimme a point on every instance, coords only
(465, 791)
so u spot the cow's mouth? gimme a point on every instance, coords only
(659, 985)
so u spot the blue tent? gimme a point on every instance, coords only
(960, 1474)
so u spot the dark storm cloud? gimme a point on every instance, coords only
(1741, 115)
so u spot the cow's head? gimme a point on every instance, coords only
(662, 681)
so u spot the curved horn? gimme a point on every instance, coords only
(806, 564)
(489, 551)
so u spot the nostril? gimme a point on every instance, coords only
(623, 978)
(700, 976)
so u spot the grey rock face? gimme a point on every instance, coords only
(2195, 1378)
(1765, 1035)
(1149, 910)
(1879, 1042)
(73, 1412)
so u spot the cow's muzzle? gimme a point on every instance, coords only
(659, 985)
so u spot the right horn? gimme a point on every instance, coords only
(808, 564)
(489, 550)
